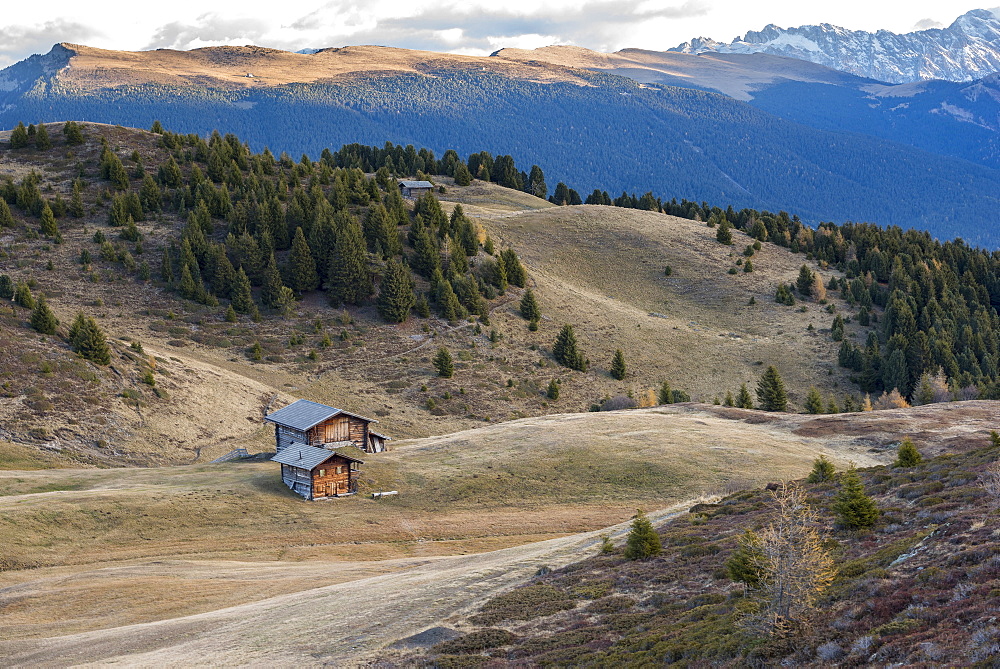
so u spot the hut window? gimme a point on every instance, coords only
(340, 470)
(322, 472)
(354, 466)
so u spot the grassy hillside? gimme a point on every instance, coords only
(914, 589)
(209, 396)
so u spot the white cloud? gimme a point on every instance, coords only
(19, 41)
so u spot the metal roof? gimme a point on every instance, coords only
(416, 184)
(302, 414)
(307, 457)
(379, 434)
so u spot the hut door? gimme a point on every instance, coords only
(337, 431)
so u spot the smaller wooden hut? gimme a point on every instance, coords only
(318, 473)
(415, 189)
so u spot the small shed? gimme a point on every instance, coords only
(318, 473)
(415, 189)
(315, 424)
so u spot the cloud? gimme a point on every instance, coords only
(927, 24)
(208, 30)
(19, 42)
(461, 27)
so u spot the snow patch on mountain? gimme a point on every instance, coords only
(967, 50)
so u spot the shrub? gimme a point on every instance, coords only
(907, 455)
(823, 470)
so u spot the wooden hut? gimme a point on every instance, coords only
(317, 473)
(315, 424)
(415, 189)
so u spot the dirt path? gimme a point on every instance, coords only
(340, 625)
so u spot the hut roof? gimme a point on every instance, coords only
(303, 414)
(416, 184)
(307, 457)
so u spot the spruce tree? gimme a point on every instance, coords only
(565, 350)
(349, 280)
(444, 364)
(724, 233)
(516, 274)
(6, 218)
(664, 395)
(19, 136)
(395, 297)
(87, 339)
(804, 282)
(23, 296)
(530, 311)
(814, 402)
(42, 140)
(271, 285)
(618, 368)
(643, 541)
(746, 565)
(73, 133)
(823, 470)
(854, 508)
(771, 395)
(42, 318)
(907, 455)
(552, 392)
(48, 226)
(743, 399)
(242, 299)
(76, 208)
(301, 265)
(6, 286)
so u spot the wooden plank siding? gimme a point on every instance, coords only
(298, 480)
(286, 436)
(338, 429)
(333, 478)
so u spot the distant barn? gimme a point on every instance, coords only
(314, 424)
(415, 189)
(317, 473)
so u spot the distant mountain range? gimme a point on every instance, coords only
(748, 130)
(967, 50)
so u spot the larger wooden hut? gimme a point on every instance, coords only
(414, 189)
(319, 425)
(317, 473)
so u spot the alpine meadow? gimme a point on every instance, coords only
(368, 356)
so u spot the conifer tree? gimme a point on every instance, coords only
(76, 208)
(462, 175)
(19, 136)
(530, 311)
(814, 402)
(746, 565)
(565, 350)
(87, 339)
(242, 299)
(6, 287)
(618, 368)
(728, 401)
(48, 226)
(42, 318)
(449, 306)
(552, 392)
(643, 541)
(743, 399)
(349, 280)
(907, 455)
(771, 393)
(6, 218)
(444, 364)
(664, 395)
(301, 266)
(271, 285)
(395, 296)
(854, 508)
(230, 315)
(823, 470)
(804, 282)
(724, 233)
(42, 140)
(23, 296)
(516, 274)
(73, 133)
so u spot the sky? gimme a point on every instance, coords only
(475, 27)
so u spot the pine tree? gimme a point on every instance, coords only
(823, 470)
(444, 364)
(618, 368)
(907, 455)
(663, 395)
(724, 233)
(814, 402)
(552, 392)
(804, 282)
(395, 296)
(771, 393)
(19, 136)
(6, 218)
(349, 280)
(42, 318)
(743, 399)
(271, 284)
(565, 350)
(87, 339)
(242, 299)
(643, 541)
(530, 311)
(854, 508)
(301, 265)
(42, 140)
